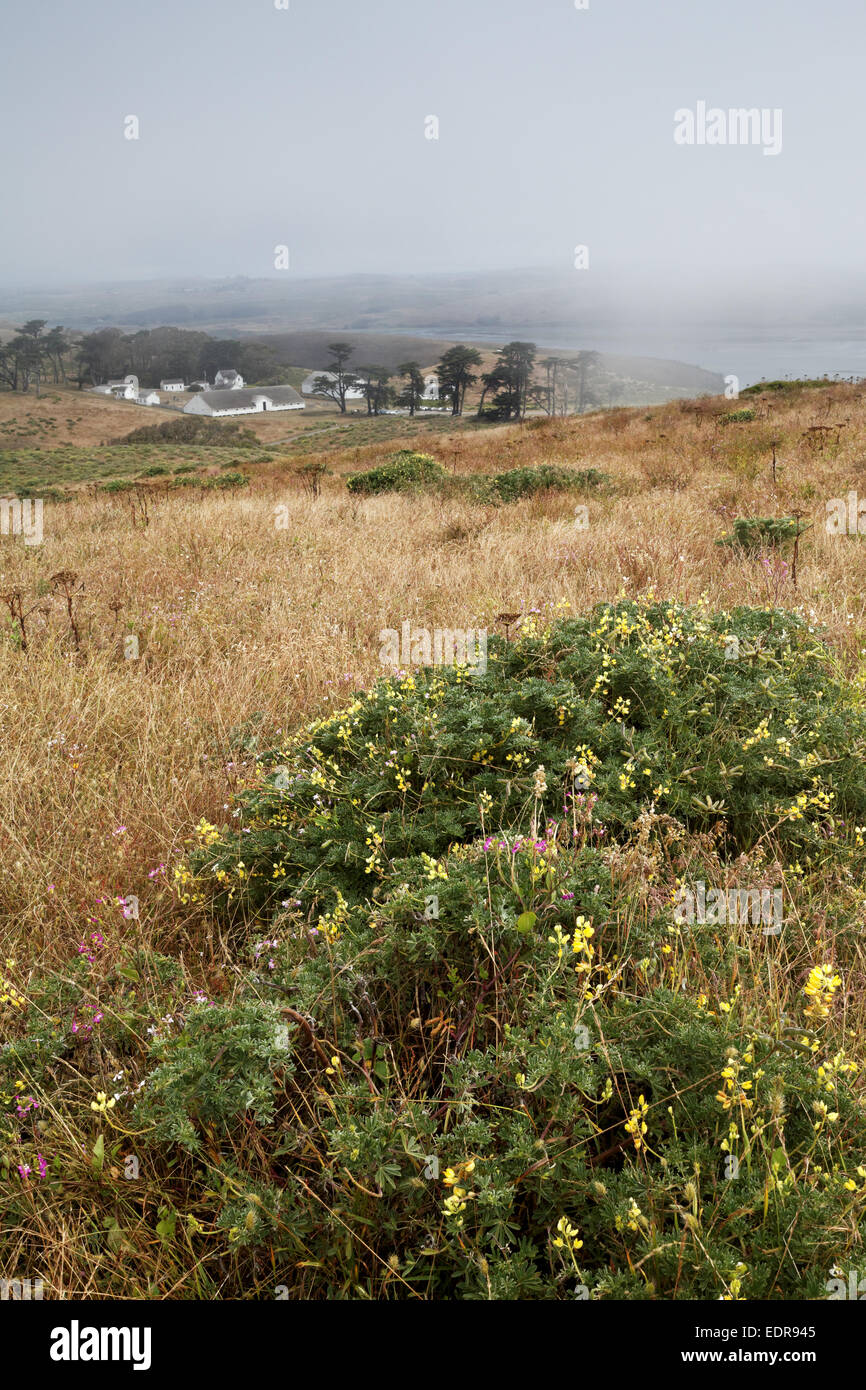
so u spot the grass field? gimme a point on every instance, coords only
(259, 610)
(65, 436)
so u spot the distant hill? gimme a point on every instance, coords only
(631, 380)
(391, 319)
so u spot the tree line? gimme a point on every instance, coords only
(508, 390)
(37, 354)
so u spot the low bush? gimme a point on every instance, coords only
(801, 384)
(753, 533)
(510, 1070)
(406, 470)
(193, 429)
(545, 477)
(225, 481)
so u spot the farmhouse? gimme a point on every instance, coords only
(308, 386)
(236, 401)
(148, 398)
(228, 379)
(172, 386)
(122, 390)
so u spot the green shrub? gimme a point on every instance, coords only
(47, 494)
(545, 477)
(404, 471)
(215, 1072)
(646, 688)
(193, 429)
(802, 384)
(465, 883)
(226, 481)
(736, 417)
(752, 533)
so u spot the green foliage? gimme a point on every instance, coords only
(193, 429)
(20, 468)
(214, 1072)
(406, 470)
(753, 533)
(465, 885)
(545, 477)
(801, 384)
(645, 687)
(735, 417)
(226, 482)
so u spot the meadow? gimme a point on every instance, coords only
(327, 981)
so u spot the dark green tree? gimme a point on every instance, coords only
(413, 392)
(102, 355)
(511, 380)
(335, 386)
(377, 393)
(456, 375)
(584, 365)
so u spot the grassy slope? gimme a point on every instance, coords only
(247, 630)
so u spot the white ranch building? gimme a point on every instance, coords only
(356, 393)
(173, 385)
(125, 390)
(148, 398)
(237, 401)
(227, 379)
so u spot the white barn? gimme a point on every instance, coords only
(308, 386)
(227, 379)
(173, 385)
(148, 398)
(236, 401)
(123, 390)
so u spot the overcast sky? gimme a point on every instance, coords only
(306, 127)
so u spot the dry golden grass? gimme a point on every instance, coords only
(246, 629)
(240, 621)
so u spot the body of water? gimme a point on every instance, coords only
(749, 356)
